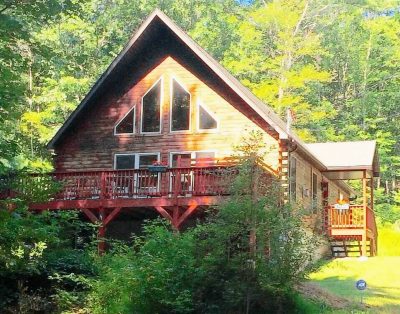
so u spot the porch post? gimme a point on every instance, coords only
(364, 233)
(101, 246)
(373, 245)
(372, 193)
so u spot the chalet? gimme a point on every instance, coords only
(156, 130)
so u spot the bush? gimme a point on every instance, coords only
(155, 276)
(39, 258)
(245, 258)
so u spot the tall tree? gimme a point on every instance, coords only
(278, 56)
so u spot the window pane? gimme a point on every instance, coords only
(125, 162)
(206, 121)
(126, 125)
(151, 109)
(184, 162)
(147, 160)
(180, 112)
(205, 158)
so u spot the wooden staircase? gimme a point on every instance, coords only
(348, 248)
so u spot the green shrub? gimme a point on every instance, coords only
(245, 258)
(39, 259)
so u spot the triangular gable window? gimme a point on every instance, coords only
(127, 124)
(206, 120)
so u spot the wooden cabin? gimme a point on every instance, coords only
(154, 135)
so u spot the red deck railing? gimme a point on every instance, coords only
(138, 183)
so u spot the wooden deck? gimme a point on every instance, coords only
(175, 193)
(126, 188)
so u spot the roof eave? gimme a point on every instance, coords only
(103, 77)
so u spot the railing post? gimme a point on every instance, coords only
(102, 185)
(364, 232)
(177, 177)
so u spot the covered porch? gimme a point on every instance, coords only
(350, 223)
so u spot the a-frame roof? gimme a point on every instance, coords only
(157, 16)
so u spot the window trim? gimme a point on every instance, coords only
(161, 106)
(212, 114)
(147, 154)
(137, 157)
(123, 154)
(171, 91)
(122, 119)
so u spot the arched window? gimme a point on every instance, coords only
(180, 108)
(151, 109)
(127, 124)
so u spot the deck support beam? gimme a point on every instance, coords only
(102, 220)
(176, 219)
(189, 211)
(163, 212)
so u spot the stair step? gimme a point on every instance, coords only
(345, 248)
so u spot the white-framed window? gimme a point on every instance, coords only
(180, 108)
(151, 111)
(130, 160)
(206, 120)
(140, 183)
(126, 125)
(124, 161)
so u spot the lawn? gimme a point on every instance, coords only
(382, 274)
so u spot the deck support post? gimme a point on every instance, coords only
(364, 232)
(175, 216)
(101, 245)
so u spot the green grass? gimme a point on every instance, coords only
(389, 240)
(382, 274)
(307, 306)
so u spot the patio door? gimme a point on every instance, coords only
(147, 182)
(182, 176)
(188, 178)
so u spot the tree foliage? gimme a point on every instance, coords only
(246, 258)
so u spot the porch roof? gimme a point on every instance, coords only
(347, 160)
